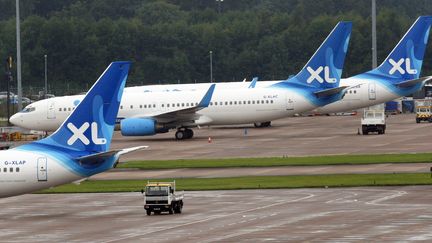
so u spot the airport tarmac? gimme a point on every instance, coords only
(293, 136)
(364, 214)
(134, 174)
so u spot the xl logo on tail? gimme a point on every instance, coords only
(397, 66)
(315, 75)
(78, 134)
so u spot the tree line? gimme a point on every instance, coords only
(169, 40)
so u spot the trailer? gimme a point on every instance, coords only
(373, 121)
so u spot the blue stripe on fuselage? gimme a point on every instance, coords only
(308, 92)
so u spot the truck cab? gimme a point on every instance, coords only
(423, 110)
(162, 197)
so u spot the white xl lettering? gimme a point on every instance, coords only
(397, 66)
(78, 134)
(315, 75)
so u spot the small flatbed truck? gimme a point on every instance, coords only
(373, 121)
(162, 197)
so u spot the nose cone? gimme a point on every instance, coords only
(16, 119)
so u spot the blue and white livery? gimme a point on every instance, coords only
(397, 76)
(144, 114)
(78, 149)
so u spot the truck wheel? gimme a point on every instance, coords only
(148, 212)
(178, 209)
(171, 210)
(417, 120)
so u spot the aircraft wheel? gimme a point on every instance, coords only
(180, 135)
(258, 124)
(266, 124)
(189, 133)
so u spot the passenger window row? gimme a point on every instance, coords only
(67, 109)
(10, 169)
(220, 103)
(244, 102)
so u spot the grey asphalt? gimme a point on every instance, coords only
(381, 214)
(294, 136)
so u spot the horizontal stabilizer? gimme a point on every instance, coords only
(331, 91)
(412, 82)
(105, 155)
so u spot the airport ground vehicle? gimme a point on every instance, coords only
(373, 121)
(162, 197)
(423, 110)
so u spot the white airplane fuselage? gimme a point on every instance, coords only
(227, 107)
(362, 93)
(24, 171)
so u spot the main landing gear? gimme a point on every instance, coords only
(262, 124)
(184, 133)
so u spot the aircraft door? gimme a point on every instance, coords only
(289, 104)
(42, 169)
(372, 91)
(51, 110)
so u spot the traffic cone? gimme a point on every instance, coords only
(209, 139)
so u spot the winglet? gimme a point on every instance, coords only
(253, 83)
(205, 102)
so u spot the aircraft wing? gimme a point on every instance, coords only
(328, 92)
(412, 82)
(185, 114)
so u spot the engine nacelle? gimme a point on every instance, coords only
(138, 127)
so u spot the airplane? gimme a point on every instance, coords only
(317, 84)
(78, 149)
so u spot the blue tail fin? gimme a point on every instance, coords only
(90, 126)
(324, 69)
(405, 61)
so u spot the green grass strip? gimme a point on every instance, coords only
(264, 162)
(254, 182)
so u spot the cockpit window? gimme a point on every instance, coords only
(28, 109)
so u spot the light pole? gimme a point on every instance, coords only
(211, 66)
(18, 37)
(374, 44)
(46, 78)
(219, 5)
